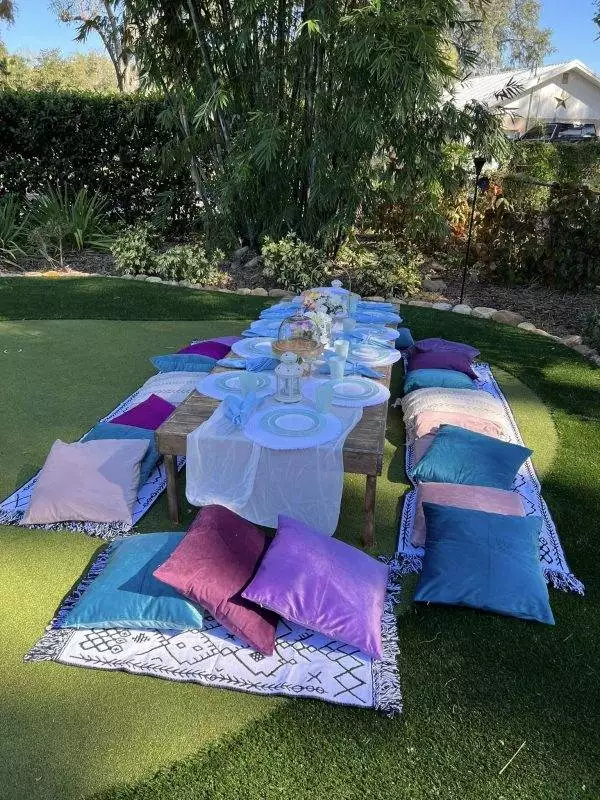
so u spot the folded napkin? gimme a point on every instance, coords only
(359, 369)
(239, 409)
(376, 317)
(375, 305)
(254, 364)
(357, 336)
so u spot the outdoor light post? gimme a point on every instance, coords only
(478, 161)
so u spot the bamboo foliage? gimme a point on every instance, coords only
(282, 108)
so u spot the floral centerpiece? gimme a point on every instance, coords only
(321, 305)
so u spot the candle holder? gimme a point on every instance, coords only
(288, 374)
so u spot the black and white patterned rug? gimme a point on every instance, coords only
(552, 557)
(304, 664)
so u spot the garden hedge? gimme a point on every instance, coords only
(109, 143)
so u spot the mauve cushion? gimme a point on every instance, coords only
(429, 422)
(421, 446)
(215, 561)
(150, 414)
(323, 584)
(92, 481)
(476, 498)
(443, 359)
(210, 348)
(445, 345)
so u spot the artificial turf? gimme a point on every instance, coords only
(476, 686)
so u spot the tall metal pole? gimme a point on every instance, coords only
(479, 161)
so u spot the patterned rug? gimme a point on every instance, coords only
(304, 664)
(171, 388)
(552, 557)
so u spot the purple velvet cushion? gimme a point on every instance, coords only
(322, 584)
(150, 414)
(211, 566)
(210, 348)
(442, 359)
(443, 345)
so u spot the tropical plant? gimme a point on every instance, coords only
(134, 250)
(286, 112)
(12, 238)
(292, 264)
(382, 268)
(191, 263)
(59, 221)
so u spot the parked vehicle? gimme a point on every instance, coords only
(560, 131)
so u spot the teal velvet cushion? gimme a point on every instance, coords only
(404, 339)
(432, 378)
(485, 561)
(183, 362)
(458, 455)
(127, 595)
(111, 430)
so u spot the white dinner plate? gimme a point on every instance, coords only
(358, 392)
(221, 384)
(292, 427)
(253, 347)
(372, 355)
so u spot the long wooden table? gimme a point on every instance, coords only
(363, 448)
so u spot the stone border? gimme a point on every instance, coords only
(480, 312)
(511, 318)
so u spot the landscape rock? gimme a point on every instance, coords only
(238, 255)
(140, 277)
(153, 279)
(374, 299)
(571, 341)
(434, 285)
(584, 349)
(254, 263)
(260, 292)
(126, 277)
(507, 317)
(187, 284)
(541, 332)
(462, 308)
(484, 312)
(595, 359)
(420, 303)
(244, 291)
(280, 293)
(442, 306)
(527, 326)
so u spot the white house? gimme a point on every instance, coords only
(567, 92)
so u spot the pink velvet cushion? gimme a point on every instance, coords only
(444, 345)
(476, 498)
(322, 584)
(150, 414)
(211, 566)
(92, 481)
(429, 421)
(210, 348)
(444, 359)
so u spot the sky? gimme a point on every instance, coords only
(574, 35)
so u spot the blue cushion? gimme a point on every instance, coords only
(486, 561)
(404, 339)
(432, 378)
(110, 430)
(458, 455)
(183, 362)
(127, 595)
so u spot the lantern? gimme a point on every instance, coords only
(288, 374)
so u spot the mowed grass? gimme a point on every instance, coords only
(476, 686)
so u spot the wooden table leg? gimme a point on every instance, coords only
(172, 488)
(369, 530)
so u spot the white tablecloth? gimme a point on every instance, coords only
(258, 483)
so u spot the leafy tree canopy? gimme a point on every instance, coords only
(51, 70)
(292, 115)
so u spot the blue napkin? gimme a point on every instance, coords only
(254, 364)
(359, 369)
(368, 338)
(364, 305)
(377, 317)
(239, 409)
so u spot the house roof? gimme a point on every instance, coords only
(485, 88)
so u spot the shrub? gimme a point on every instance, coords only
(12, 236)
(591, 331)
(292, 264)
(134, 250)
(191, 263)
(382, 268)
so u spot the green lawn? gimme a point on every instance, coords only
(476, 686)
